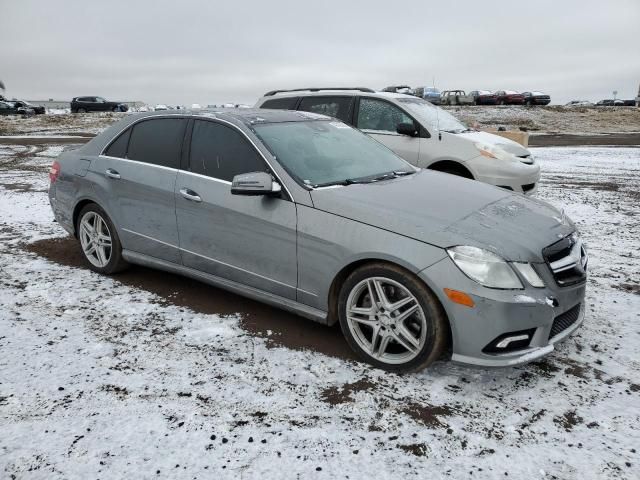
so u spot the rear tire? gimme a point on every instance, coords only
(402, 329)
(99, 241)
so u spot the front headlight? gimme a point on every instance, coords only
(484, 267)
(492, 151)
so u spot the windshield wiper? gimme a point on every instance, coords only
(361, 180)
(347, 181)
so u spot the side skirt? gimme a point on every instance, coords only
(244, 290)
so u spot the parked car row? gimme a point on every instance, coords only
(475, 97)
(295, 204)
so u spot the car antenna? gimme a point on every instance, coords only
(437, 117)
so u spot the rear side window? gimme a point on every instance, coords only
(118, 147)
(157, 141)
(222, 152)
(284, 103)
(338, 107)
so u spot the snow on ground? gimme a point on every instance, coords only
(99, 379)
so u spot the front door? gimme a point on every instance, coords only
(380, 119)
(249, 240)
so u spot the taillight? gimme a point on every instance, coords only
(54, 171)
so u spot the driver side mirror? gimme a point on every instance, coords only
(407, 129)
(255, 183)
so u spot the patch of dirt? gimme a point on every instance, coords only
(429, 415)
(417, 449)
(343, 394)
(629, 287)
(280, 328)
(569, 420)
(20, 187)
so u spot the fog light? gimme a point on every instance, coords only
(510, 341)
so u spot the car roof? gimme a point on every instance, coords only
(342, 93)
(246, 116)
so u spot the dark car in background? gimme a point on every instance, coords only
(96, 104)
(610, 103)
(10, 108)
(37, 109)
(484, 97)
(509, 97)
(536, 98)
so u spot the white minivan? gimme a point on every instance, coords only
(421, 133)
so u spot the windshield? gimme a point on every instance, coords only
(432, 117)
(318, 153)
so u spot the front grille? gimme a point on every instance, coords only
(564, 321)
(567, 260)
(528, 187)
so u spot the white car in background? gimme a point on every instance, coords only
(579, 103)
(160, 106)
(421, 133)
(196, 106)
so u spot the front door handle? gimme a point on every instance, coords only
(111, 173)
(190, 195)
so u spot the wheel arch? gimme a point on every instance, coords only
(451, 166)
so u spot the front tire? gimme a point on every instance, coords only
(391, 319)
(99, 241)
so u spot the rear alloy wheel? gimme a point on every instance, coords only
(99, 241)
(391, 319)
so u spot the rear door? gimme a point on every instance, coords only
(136, 177)
(249, 240)
(379, 119)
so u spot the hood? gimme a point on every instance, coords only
(510, 146)
(445, 210)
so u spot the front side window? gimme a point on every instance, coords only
(432, 117)
(157, 141)
(322, 152)
(380, 115)
(337, 107)
(222, 152)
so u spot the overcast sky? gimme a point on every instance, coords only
(209, 51)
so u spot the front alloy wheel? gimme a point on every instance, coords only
(391, 319)
(386, 320)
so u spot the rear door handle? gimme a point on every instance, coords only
(190, 195)
(111, 173)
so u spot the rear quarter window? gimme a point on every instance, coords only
(285, 103)
(118, 148)
(158, 142)
(337, 107)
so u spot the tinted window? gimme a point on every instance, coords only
(285, 103)
(157, 141)
(338, 107)
(118, 147)
(380, 115)
(222, 152)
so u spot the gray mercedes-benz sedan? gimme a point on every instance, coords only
(306, 213)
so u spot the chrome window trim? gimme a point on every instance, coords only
(207, 177)
(139, 162)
